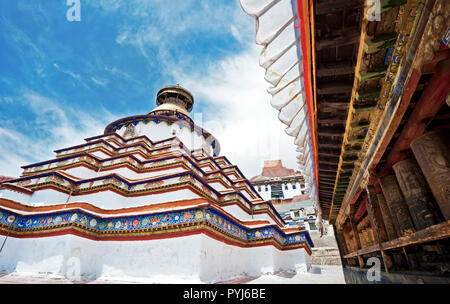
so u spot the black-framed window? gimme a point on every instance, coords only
(276, 191)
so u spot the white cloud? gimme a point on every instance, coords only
(122, 37)
(235, 33)
(142, 38)
(6, 99)
(109, 5)
(237, 107)
(71, 74)
(237, 110)
(166, 25)
(58, 128)
(239, 113)
(24, 46)
(121, 74)
(99, 82)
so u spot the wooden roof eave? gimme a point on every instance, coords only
(390, 82)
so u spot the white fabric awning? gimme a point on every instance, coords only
(278, 31)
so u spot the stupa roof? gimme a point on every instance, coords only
(173, 106)
(175, 90)
(174, 98)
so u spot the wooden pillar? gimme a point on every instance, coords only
(355, 232)
(416, 193)
(387, 218)
(357, 239)
(411, 259)
(342, 246)
(373, 221)
(341, 242)
(377, 225)
(376, 214)
(399, 210)
(347, 240)
(432, 152)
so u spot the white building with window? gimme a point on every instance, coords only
(278, 182)
(289, 194)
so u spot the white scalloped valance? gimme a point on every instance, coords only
(278, 32)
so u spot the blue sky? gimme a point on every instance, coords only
(63, 81)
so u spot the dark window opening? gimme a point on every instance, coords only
(277, 191)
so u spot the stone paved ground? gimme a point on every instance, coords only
(317, 275)
(323, 274)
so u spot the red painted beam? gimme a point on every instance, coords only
(431, 101)
(361, 209)
(442, 54)
(377, 187)
(352, 202)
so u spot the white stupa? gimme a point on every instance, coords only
(150, 198)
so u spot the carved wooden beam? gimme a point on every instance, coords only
(380, 43)
(327, 187)
(328, 182)
(341, 38)
(368, 94)
(350, 158)
(356, 139)
(329, 145)
(327, 179)
(328, 167)
(367, 107)
(431, 100)
(330, 194)
(327, 174)
(332, 121)
(328, 159)
(334, 88)
(326, 106)
(333, 6)
(331, 132)
(334, 155)
(359, 125)
(325, 196)
(340, 69)
(328, 162)
(386, 5)
(334, 151)
(376, 73)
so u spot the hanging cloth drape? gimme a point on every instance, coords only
(277, 30)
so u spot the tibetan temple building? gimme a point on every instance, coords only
(278, 182)
(150, 197)
(287, 191)
(363, 89)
